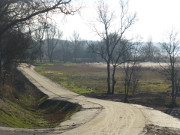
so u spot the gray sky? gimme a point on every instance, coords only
(155, 18)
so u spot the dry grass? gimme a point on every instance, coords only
(87, 78)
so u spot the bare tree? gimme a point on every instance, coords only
(17, 15)
(39, 38)
(112, 37)
(13, 12)
(130, 68)
(150, 52)
(93, 51)
(171, 53)
(52, 37)
(64, 52)
(76, 45)
(121, 55)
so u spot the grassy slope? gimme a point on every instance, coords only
(23, 106)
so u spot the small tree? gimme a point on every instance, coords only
(130, 68)
(39, 38)
(64, 51)
(171, 53)
(76, 46)
(52, 37)
(149, 52)
(119, 57)
(17, 47)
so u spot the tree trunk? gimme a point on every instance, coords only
(1, 65)
(108, 77)
(0, 71)
(113, 78)
(40, 55)
(51, 59)
(40, 50)
(173, 100)
(173, 94)
(125, 94)
(40, 58)
(177, 88)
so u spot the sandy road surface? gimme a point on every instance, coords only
(114, 119)
(97, 117)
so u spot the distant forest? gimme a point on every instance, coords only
(82, 51)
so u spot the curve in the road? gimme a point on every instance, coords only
(98, 117)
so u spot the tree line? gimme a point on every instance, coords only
(18, 21)
(27, 32)
(124, 53)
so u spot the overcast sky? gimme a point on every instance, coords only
(155, 18)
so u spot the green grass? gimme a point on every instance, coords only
(21, 116)
(75, 82)
(43, 64)
(82, 78)
(154, 86)
(23, 106)
(24, 115)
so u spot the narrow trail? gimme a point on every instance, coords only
(97, 117)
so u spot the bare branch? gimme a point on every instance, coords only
(29, 9)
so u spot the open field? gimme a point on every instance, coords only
(88, 78)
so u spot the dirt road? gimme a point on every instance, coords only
(97, 117)
(114, 119)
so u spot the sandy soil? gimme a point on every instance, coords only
(98, 117)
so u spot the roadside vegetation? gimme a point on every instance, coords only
(22, 28)
(23, 106)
